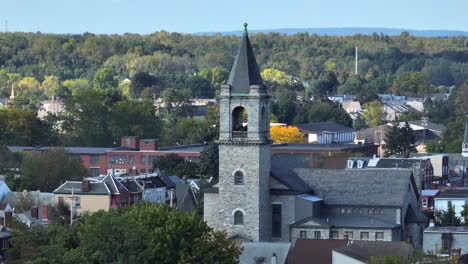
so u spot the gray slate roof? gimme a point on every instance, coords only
(400, 163)
(97, 188)
(245, 70)
(345, 187)
(321, 127)
(254, 250)
(282, 170)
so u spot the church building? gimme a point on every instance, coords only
(260, 197)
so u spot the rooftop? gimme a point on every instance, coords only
(322, 127)
(320, 250)
(447, 229)
(453, 194)
(364, 250)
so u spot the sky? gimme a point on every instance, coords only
(190, 16)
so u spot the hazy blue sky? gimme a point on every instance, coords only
(146, 16)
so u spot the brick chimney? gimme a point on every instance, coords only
(85, 185)
(45, 213)
(130, 142)
(35, 212)
(455, 255)
(8, 219)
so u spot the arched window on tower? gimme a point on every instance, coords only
(238, 178)
(238, 218)
(239, 122)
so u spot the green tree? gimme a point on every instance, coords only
(173, 164)
(143, 233)
(323, 112)
(20, 127)
(209, 162)
(464, 214)
(46, 170)
(373, 113)
(189, 131)
(448, 217)
(413, 84)
(177, 103)
(104, 79)
(399, 140)
(50, 85)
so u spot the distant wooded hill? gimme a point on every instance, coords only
(350, 32)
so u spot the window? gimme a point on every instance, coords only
(317, 235)
(364, 235)
(360, 210)
(334, 234)
(94, 172)
(343, 210)
(348, 210)
(370, 211)
(238, 218)
(238, 178)
(349, 233)
(303, 234)
(143, 159)
(131, 159)
(143, 171)
(276, 220)
(60, 200)
(424, 202)
(118, 159)
(379, 236)
(94, 159)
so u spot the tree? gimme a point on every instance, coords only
(173, 164)
(209, 162)
(104, 79)
(45, 171)
(400, 140)
(464, 214)
(50, 85)
(189, 131)
(286, 134)
(327, 111)
(177, 102)
(20, 127)
(412, 84)
(448, 217)
(285, 105)
(143, 233)
(373, 113)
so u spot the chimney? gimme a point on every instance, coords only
(35, 212)
(85, 185)
(455, 255)
(45, 213)
(8, 219)
(431, 223)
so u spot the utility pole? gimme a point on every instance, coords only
(72, 203)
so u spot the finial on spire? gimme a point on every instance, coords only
(245, 29)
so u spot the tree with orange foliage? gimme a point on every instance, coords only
(286, 134)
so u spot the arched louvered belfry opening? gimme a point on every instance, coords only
(239, 122)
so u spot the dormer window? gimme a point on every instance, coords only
(350, 164)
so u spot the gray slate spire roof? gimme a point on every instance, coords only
(244, 71)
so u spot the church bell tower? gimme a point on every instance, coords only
(241, 205)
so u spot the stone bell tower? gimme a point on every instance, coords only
(240, 202)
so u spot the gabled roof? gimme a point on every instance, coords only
(244, 71)
(114, 185)
(399, 163)
(96, 188)
(282, 171)
(321, 127)
(359, 187)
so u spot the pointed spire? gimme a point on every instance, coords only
(245, 70)
(12, 95)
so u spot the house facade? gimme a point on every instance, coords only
(458, 199)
